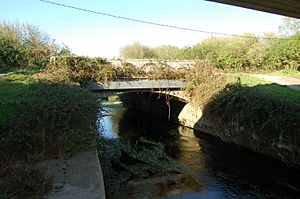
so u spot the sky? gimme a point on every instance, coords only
(92, 35)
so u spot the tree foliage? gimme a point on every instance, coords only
(289, 26)
(23, 45)
(167, 52)
(242, 52)
(285, 54)
(137, 51)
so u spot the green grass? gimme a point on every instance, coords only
(287, 72)
(283, 72)
(264, 86)
(247, 80)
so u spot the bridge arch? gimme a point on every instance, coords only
(164, 104)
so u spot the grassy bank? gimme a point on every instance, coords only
(266, 87)
(40, 119)
(250, 112)
(264, 118)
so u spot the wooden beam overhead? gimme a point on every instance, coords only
(289, 8)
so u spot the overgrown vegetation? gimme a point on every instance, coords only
(40, 117)
(84, 69)
(204, 82)
(38, 120)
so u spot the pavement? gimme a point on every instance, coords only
(77, 178)
(290, 82)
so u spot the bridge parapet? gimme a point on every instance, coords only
(144, 62)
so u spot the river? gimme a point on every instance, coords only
(200, 166)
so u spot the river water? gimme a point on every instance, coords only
(215, 170)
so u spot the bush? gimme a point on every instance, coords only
(48, 119)
(81, 69)
(285, 54)
(204, 82)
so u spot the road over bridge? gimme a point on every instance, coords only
(137, 85)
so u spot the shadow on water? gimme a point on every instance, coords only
(245, 172)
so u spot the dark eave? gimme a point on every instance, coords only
(290, 8)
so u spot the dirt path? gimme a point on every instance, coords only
(290, 82)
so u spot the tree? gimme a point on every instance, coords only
(23, 45)
(137, 51)
(38, 44)
(289, 26)
(167, 52)
(12, 52)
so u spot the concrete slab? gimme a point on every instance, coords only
(77, 178)
(137, 85)
(2, 75)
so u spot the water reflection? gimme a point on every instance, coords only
(109, 121)
(222, 170)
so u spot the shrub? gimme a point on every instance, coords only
(81, 69)
(285, 54)
(204, 82)
(43, 120)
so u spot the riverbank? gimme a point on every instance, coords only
(40, 119)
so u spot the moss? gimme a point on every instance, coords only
(140, 158)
